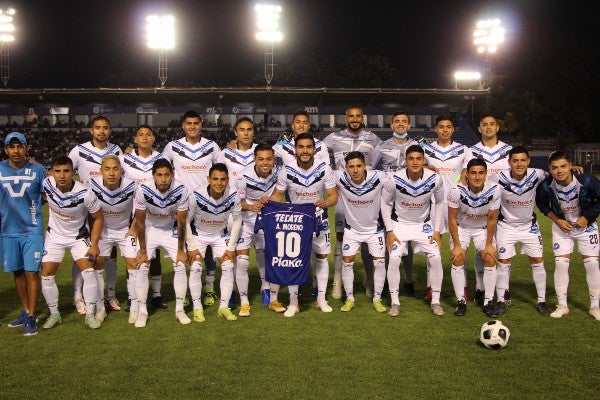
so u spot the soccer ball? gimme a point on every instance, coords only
(494, 335)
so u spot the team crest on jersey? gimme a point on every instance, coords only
(427, 228)
(346, 247)
(534, 229)
(394, 246)
(555, 246)
(315, 177)
(501, 250)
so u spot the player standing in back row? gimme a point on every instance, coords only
(137, 165)
(192, 156)
(495, 154)
(87, 158)
(353, 138)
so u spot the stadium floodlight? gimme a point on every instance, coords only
(487, 36)
(268, 32)
(472, 76)
(160, 33)
(7, 36)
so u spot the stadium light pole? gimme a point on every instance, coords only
(487, 36)
(160, 33)
(268, 32)
(7, 36)
(472, 76)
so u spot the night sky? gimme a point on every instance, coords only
(73, 44)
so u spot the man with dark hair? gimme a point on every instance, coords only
(517, 223)
(495, 153)
(406, 208)
(71, 205)
(22, 228)
(192, 157)
(353, 138)
(473, 215)
(308, 181)
(161, 208)
(447, 158)
(137, 165)
(393, 152)
(210, 208)
(572, 201)
(255, 184)
(284, 148)
(87, 158)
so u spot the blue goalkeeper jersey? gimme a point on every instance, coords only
(288, 230)
(21, 199)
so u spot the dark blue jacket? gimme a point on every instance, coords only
(589, 197)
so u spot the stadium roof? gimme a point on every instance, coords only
(262, 99)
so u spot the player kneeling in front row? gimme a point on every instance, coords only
(572, 202)
(209, 210)
(406, 210)
(70, 203)
(359, 190)
(161, 208)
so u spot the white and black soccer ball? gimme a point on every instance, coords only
(494, 335)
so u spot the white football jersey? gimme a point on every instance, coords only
(161, 208)
(343, 142)
(117, 205)
(286, 153)
(191, 162)
(495, 157)
(362, 202)
(449, 161)
(138, 168)
(412, 199)
(517, 200)
(392, 154)
(87, 159)
(69, 211)
(568, 199)
(236, 160)
(472, 207)
(209, 216)
(307, 186)
(251, 188)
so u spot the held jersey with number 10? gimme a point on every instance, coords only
(289, 228)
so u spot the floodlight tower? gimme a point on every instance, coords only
(487, 36)
(268, 32)
(160, 31)
(7, 36)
